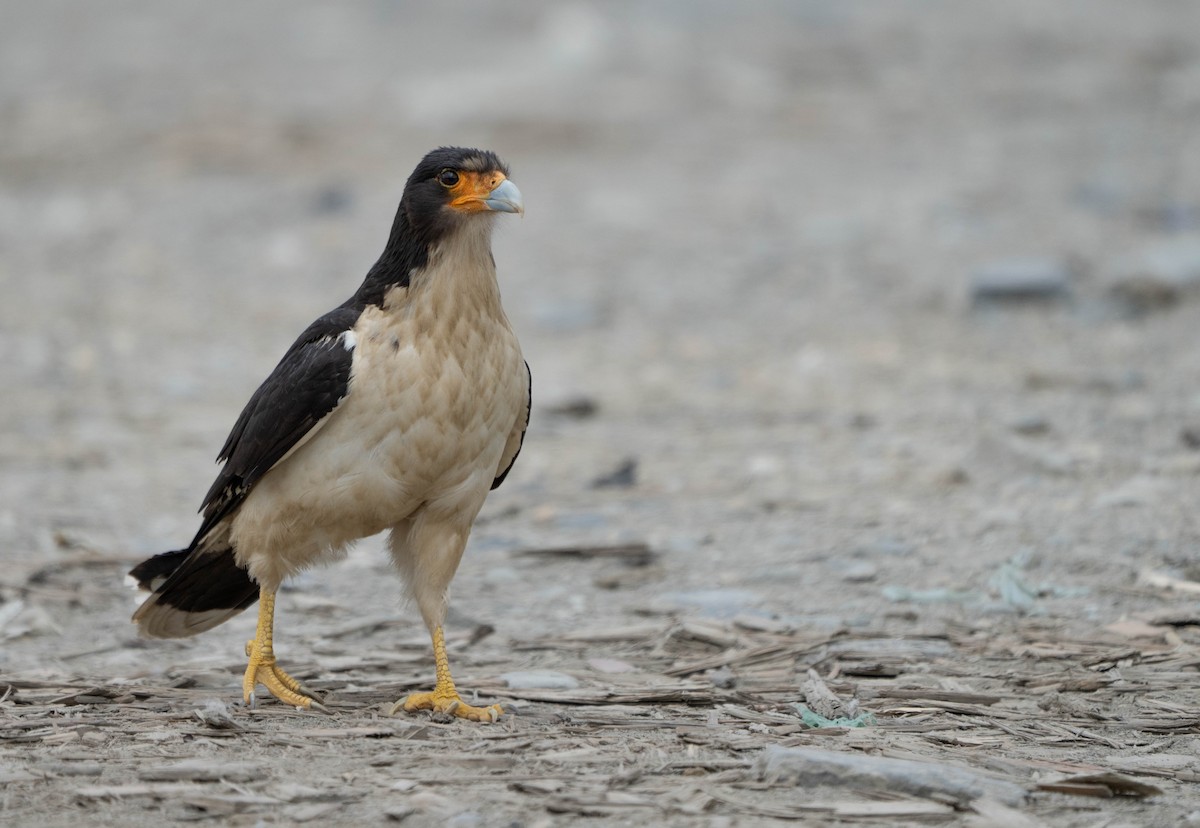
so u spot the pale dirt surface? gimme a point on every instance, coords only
(749, 243)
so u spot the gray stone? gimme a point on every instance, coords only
(623, 476)
(539, 680)
(1031, 425)
(811, 766)
(859, 572)
(1020, 280)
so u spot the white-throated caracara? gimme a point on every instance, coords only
(398, 410)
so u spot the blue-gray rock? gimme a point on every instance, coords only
(539, 680)
(807, 767)
(1031, 279)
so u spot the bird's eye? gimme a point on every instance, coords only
(447, 178)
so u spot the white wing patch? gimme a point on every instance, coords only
(348, 340)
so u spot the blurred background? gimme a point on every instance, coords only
(822, 299)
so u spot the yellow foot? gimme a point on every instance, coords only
(441, 701)
(263, 670)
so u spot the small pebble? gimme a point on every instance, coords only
(1020, 281)
(622, 477)
(539, 680)
(1031, 425)
(1190, 436)
(859, 572)
(575, 408)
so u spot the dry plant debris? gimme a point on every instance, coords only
(995, 739)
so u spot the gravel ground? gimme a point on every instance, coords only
(866, 424)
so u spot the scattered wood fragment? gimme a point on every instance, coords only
(154, 790)
(931, 694)
(714, 715)
(631, 554)
(1102, 785)
(203, 770)
(823, 701)
(682, 693)
(1161, 580)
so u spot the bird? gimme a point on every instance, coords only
(397, 411)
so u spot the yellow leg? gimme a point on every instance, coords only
(444, 698)
(262, 668)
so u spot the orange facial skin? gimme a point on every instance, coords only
(472, 190)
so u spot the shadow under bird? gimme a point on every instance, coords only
(399, 410)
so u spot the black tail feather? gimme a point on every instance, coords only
(193, 590)
(151, 573)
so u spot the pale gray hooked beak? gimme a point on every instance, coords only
(506, 198)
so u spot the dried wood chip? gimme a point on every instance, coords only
(631, 554)
(95, 695)
(746, 715)
(660, 694)
(203, 770)
(905, 648)
(611, 665)
(709, 632)
(348, 733)
(1155, 764)
(365, 627)
(164, 790)
(295, 792)
(1103, 785)
(631, 632)
(317, 810)
(1133, 628)
(923, 694)
(537, 786)
(992, 814)
(822, 701)
(904, 809)
(757, 623)
(872, 669)
(1175, 617)
(1085, 684)
(572, 755)
(723, 739)
(1162, 580)
(799, 811)
(1110, 659)
(609, 803)
(215, 714)
(225, 804)
(75, 768)
(744, 658)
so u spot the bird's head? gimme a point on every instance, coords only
(451, 184)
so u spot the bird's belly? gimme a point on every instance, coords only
(417, 429)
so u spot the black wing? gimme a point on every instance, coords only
(306, 385)
(517, 438)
